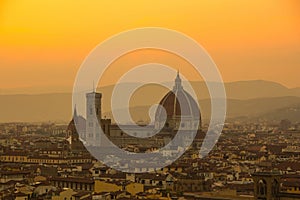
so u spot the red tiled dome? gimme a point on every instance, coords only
(172, 105)
(170, 102)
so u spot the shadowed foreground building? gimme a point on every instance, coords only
(267, 187)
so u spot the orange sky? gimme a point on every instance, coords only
(42, 43)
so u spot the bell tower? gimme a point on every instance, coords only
(93, 116)
(266, 185)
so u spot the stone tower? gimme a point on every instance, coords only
(266, 185)
(93, 116)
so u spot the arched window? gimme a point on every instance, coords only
(275, 187)
(262, 187)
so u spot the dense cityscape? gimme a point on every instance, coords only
(38, 162)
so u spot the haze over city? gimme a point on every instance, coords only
(198, 100)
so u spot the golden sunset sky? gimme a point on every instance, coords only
(43, 43)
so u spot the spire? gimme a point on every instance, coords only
(177, 85)
(75, 112)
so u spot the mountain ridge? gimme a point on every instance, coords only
(244, 98)
(234, 89)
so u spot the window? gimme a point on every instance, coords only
(262, 189)
(275, 187)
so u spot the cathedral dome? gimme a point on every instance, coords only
(172, 106)
(178, 104)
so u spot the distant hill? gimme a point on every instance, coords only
(291, 113)
(258, 89)
(252, 99)
(235, 90)
(250, 89)
(57, 107)
(276, 108)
